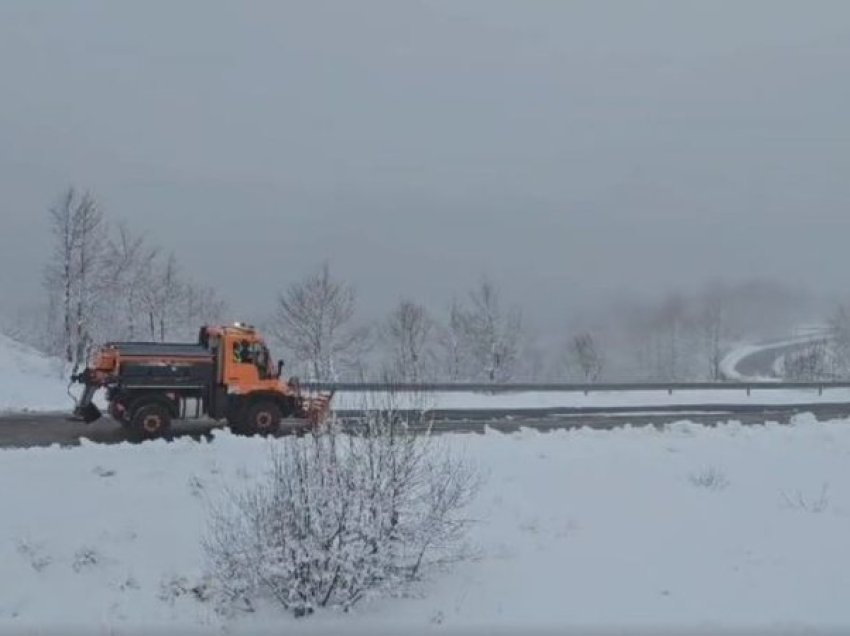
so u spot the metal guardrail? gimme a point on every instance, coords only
(600, 412)
(669, 387)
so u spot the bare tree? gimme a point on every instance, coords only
(60, 271)
(130, 263)
(839, 332)
(809, 364)
(90, 229)
(75, 272)
(200, 306)
(532, 364)
(585, 356)
(408, 334)
(314, 320)
(113, 285)
(450, 342)
(672, 338)
(171, 290)
(161, 298)
(147, 295)
(712, 322)
(487, 334)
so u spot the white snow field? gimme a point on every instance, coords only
(30, 380)
(683, 528)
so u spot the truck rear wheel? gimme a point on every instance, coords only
(261, 418)
(150, 420)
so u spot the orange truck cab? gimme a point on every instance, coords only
(227, 374)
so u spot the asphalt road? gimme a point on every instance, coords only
(32, 430)
(760, 364)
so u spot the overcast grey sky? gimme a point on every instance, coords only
(564, 148)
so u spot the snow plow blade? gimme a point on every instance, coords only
(85, 409)
(87, 413)
(316, 409)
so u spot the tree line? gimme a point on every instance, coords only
(481, 337)
(104, 281)
(315, 320)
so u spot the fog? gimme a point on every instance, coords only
(571, 151)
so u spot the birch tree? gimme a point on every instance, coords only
(408, 335)
(714, 329)
(488, 334)
(314, 319)
(450, 338)
(75, 272)
(113, 285)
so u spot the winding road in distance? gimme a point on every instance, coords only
(760, 362)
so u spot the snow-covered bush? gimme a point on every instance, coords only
(710, 478)
(339, 517)
(799, 501)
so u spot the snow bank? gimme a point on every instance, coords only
(688, 527)
(29, 380)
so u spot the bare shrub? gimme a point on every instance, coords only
(340, 517)
(808, 364)
(710, 478)
(84, 558)
(34, 554)
(798, 501)
(839, 333)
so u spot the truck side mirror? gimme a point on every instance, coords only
(279, 367)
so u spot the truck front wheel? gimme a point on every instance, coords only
(261, 418)
(150, 421)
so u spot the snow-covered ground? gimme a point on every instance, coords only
(688, 527)
(30, 380)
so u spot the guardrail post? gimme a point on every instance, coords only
(820, 389)
(748, 390)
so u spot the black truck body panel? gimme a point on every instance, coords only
(146, 374)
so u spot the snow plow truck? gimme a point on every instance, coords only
(227, 375)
